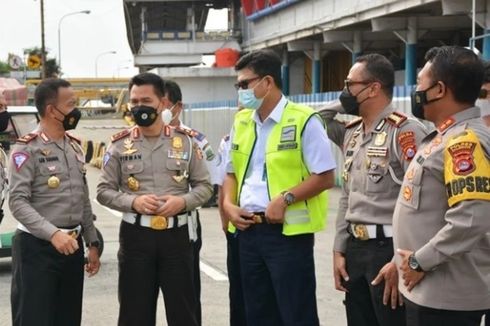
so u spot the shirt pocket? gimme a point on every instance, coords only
(130, 168)
(178, 170)
(52, 175)
(378, 178)
(411, 188)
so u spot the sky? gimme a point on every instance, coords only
(83, 37)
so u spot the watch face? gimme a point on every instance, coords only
(289, 198)
(413, 263)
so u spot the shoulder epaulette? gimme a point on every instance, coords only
(120, 135)
(186, 130)
(396, 119)
(353, 123)
(27, 138)
(78, 140)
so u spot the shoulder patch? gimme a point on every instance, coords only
(353, 123)
(466, 169)
(78, 140)
(396, 119)
(19, 159)
(120, 135)
(27, 138)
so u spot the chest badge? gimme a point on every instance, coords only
(380, 139)
(53, 182)
(128, 145)
(46, 152)
(133, 184)
(177, 142)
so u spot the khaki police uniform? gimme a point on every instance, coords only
(442, 214)
(155, 251)
(374, 165)
(48, 192)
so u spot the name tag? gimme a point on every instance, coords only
(285, 146)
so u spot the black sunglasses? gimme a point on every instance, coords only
(243, 84)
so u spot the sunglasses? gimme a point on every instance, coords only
(243, 84)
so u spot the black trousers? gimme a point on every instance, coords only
(196, 249)
(363, 301)
(150, 261)
(278, 277)
(425, 316)
(47, 286)
(237, 304)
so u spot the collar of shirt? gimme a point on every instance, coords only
(382, 116)
(458, 118)
(276, 113)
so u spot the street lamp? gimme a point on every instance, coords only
(59, 30)
(97, 59)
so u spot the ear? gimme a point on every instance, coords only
(442, 89)
(375, 89)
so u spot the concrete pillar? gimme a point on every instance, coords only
(411, 52)
(285, 71)
(356, 46)
(316, 71)
(486, 46)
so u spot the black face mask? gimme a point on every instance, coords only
(349, 101)
(71, 119)
(144, 116)
(418, 99)
(4, 120)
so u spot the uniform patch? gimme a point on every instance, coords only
(179, 155)
(288, 133)
(19, 159)
(285, 146)
(377, 151)
(462, 155)
(446, 124)
(466, 169)
(380, 138)
(408, 145)
(107, 157)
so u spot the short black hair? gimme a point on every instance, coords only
(47, 93)
(148, 78)
(264, 63)
(486, 75)
(172, 91)
(459, 69)
(380, 69)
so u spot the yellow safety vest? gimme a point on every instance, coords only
(284, 165)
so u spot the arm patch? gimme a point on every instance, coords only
(466, 169)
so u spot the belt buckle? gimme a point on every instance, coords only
(257, 219)
(360, 231)
(158, 222)
(74, 233)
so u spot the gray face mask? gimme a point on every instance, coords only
(484, 106)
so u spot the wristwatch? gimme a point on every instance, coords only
(414, 264)
(288, 197)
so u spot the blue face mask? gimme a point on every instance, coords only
(247, 98)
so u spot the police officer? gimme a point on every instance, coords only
(281, 165)
(147, 173)
(377, 148)
(49, 197)
(441, 219)
(173, 96)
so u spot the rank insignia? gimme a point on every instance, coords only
(128, 144)
(410, 174)
(19, 159)
(53, 182)
(177, 142)
(133, 184)
(380, 139)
